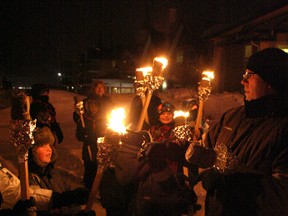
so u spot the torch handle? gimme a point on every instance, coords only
(23, 175)
(82, 121)
(198, 120)
(95, 187)
(146, 116)
(144, 112)
(89, 152)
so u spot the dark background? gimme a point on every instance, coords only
(36, 36)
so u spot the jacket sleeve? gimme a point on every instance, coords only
(76, 117)
(275, 187)
(81, 132)
(42, 197)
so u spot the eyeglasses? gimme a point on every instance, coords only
(247, 75)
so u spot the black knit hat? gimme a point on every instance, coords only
(43, 136)
(271, 65)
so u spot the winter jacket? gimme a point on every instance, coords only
(161, 131)
(45, 114)
(65, 199)
(9, 188)
(163, 191)
(11, 192)
(94, 127)
(257, 134)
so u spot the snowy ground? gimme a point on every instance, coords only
(70, 150)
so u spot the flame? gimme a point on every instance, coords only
(163, 61)
(145, 70)
(180, 113)
(208, 75)
(116, 120)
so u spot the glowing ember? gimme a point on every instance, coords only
(181, 113)
(208, 75)
(116, 120)
(163, 61)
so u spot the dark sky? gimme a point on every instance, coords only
(36, 36)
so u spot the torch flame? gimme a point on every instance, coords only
(116, 120)
(180, 113)
(208, 75)
(145, 70)
(163, 61)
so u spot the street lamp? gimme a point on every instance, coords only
(60, 78)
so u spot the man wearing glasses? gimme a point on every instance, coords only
(249, 175)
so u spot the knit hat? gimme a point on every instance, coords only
(43, 136)
(271, 65)
(165, 107)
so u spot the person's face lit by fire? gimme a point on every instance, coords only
(44, 153)
(166, 117)
(254, 86)
(93, 109)
(99, 90)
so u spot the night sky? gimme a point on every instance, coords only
(36, 36)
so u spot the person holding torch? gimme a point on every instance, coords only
(88, 129)
(163, 190)
(66, 194)
(245, 155)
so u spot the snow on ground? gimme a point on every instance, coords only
(69, 152)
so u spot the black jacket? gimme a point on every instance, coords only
(257, 134)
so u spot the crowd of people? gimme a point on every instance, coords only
(241, 161)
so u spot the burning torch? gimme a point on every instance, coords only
(220, 157)
(204, 91)
(182, 130)
(79, 109)
(141, 86)
(152, 80)
(21, 131)
(196, 153)
(115, 129)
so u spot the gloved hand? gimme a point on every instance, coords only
(211, 179)
(76, 196)
(25, 207)
(156, 156)
(200, 156)
(84, 213)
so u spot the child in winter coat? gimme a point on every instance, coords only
(66, 194)
(163, 191)
(87, 131)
